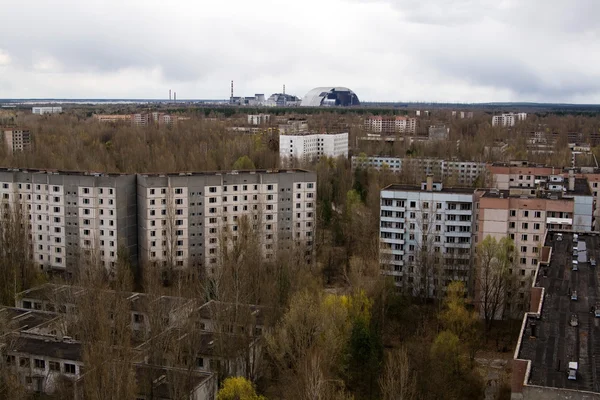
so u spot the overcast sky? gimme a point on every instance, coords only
(384, 50)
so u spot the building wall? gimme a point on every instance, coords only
(463, 173)
(309, 147)
(17, 139)
(46, 110)
(414, 223)
(206, 209)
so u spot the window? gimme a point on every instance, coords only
(178, 191)
(538, 214)
(523, 249)
(138, 318)
(24, 362)
(512, 225)
(524, 225)
(413, 204)
(41, 364)
(536, 227)
(69, 368)
(513, 213)
(10, 360)
(523, 260)
(524, 238)
(526, 213)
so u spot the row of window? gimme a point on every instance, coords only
(25, 362)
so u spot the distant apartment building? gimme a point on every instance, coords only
(465, 173)
(113, 118)
(426, 236)
(74, 216)
(307, 147)
(438, 132)
(139, 119)
(508, 119)
(46, 110)
(16, 139)
(391, 125)
(293, 127)
(258, 119)
(462, 114)
(183, 218)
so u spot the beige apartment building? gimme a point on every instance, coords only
(16, 139)
(521, 174)
(391, 125)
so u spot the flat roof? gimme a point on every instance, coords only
(182, 173)
(556, 342)
(19, 319)
(46, 346)
(157, 381)
(398, 187)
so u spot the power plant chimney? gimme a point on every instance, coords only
(169, 94)
(284, 89)
(231, 98)
(174, 96)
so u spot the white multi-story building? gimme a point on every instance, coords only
(307, 147)
(390, 125)
(184, 218)
(46, 110)
(16, 139)
(508, 119)
(426, 236)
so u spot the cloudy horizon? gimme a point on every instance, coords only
(458, 51)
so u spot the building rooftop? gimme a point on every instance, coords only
(241, 313)
(19, 319)
(157, 381)
(397, 187)
(46, 346)
(562, 298)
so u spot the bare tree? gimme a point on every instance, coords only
(398, 381)
(494, 260)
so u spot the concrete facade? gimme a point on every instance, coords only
(46, 110)
(426, 225)
(459, 172)
(178, 218)
(16, 140)
(307, 147)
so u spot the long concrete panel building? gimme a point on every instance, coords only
(152, 219)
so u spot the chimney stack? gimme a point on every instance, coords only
(571, 180)
(429, 186)
(175, 97)
(169, 94)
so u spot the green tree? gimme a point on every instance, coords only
(493, 278)
(460, 320)
(243, 163)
